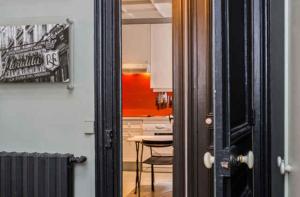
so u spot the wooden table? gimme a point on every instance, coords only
(138, 139)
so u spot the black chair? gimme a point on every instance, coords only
(163, 134)
(155, 159)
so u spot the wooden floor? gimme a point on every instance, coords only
(163, 185)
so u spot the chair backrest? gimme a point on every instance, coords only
(158, 144)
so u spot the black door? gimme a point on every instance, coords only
(234, 97)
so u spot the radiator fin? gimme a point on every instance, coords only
(36, 175)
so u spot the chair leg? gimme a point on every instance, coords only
(140, 179)
(137, 147)
(152, 178)
(141, 169)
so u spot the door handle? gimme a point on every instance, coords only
(283, 166)
(208, 160)
(247, 159)
(244, 159)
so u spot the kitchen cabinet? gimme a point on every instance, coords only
(131, 128)
(161, 57)
(151, 45)
(136, 44)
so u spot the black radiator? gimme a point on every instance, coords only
(37, 175)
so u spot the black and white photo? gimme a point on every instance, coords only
(35, 53)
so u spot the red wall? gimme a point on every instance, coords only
(139, 98)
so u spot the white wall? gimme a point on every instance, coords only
(48, 117)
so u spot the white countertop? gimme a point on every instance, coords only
(147, 118)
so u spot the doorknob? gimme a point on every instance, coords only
(246, 159)
(283, 166)
(209, 160)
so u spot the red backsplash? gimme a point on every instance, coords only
(138, 98)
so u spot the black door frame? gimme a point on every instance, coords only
(108, 124)
(108, 133)
(200, 106)
(179, 83)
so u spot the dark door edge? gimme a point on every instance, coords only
(179, 82)
(200, 135)
(270, 121)
(108, 126)
(261, 111)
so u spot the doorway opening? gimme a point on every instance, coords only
(147, 98)
(186, 99)
(192, 89)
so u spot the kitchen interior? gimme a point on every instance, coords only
(147, 98)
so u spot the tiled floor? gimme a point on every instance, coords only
(163, 185)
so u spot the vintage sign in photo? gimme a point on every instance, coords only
(35, 53)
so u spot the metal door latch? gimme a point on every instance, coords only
(283, 166)
(108, 136)
(225, 165)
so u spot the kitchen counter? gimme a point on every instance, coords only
(142, 118)
(142, 126)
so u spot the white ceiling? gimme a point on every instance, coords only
(146, 9)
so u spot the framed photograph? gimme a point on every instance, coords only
(35, 53)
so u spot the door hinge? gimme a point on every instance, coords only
(108, 138)
(252, 117)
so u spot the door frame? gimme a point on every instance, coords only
(108, 133)
(108, 106)
(200, 135)
(179, 90)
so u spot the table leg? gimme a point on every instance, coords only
(137, 148)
